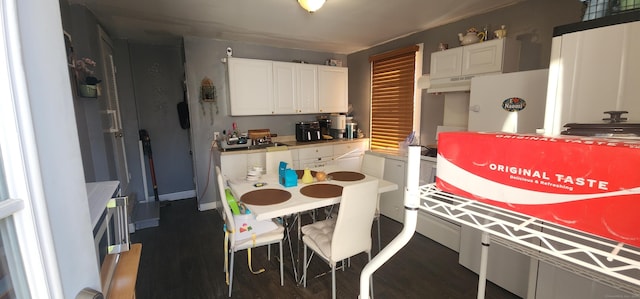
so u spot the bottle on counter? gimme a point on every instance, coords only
(307, 178)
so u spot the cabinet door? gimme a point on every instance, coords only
(250, 86)
(349, 155)
(234, 166)
(505, 267)
(481, 58)
(392, 203)
(446, 64)
(333, 89)
(295, 88)
(427, 172)
(307, 88)
(554, 282)
(284, 87)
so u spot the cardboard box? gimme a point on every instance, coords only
(589, 184)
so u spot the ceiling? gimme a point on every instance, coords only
(340, 26)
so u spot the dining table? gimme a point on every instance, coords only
(265, 198)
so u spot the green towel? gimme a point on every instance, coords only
(232, 202)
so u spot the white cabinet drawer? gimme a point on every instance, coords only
(349, 149)
(316, 163)
(315, 152)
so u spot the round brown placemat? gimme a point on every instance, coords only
(300, 173)
(346, 176)
(321, 190)
(265, 197)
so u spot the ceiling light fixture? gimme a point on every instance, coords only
(311, 5)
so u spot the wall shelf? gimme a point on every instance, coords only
(611, 263)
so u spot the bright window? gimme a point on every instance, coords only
(393, 95)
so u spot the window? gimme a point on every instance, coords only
(393, 93)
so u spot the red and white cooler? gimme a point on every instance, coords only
(589, 184)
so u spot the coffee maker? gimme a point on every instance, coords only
(338, 125)
(325, 127)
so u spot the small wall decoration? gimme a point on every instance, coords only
(207, 90)
(87, 82)
(208, 95)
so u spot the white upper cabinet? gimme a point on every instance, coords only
(250, 86)
(264, 87)
(333, 92)
(452, 70)
(445, 64)
(486, 57)
(295, 88)
(284, 87)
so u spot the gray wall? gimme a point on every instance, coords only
(95, 148)
(158, 75)
(203, 58)
(129, 115)
(531, 22)
(147, 99)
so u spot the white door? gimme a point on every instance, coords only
(110, 106)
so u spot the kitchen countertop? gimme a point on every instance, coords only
(398, 154)
(293, 144)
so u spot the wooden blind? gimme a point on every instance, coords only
(392, 93)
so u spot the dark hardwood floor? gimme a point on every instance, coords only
(183, 258)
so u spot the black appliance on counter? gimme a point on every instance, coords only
(308, 131)
(325, 126)
(615, 127)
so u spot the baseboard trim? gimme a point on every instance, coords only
(207, 206)
(174, 196)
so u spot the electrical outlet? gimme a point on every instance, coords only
(216, 135)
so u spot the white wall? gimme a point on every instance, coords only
(60, 162)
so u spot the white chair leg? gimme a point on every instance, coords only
(268, 252)
(231, 272)
(281, 266)
(370, 278)
(304, 267)
(379, 242)
(333, 282)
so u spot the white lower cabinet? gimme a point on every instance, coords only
(556, 283)
(349, 155)
(315, 157)
(440, 230)
(392, 203)
(505, 267)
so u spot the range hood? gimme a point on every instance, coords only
(452, 84)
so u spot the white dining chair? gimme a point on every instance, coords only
(233, 244)
(273, 159)
(349, 234)
(373, 165)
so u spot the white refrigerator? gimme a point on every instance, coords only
(491, 99)
(511, 102)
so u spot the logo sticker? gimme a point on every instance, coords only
(514, 104)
